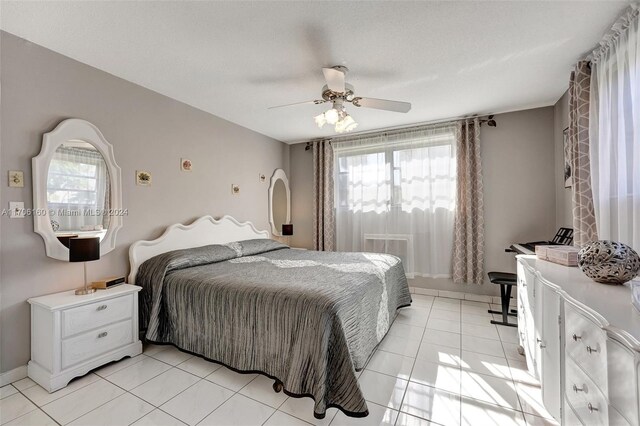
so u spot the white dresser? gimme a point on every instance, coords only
(71, 335)
(582, 341)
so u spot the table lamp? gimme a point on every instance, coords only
(84, 250)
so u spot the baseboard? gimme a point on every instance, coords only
(14, 375)
(455, 295)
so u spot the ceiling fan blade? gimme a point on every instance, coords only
(335, 79)
(316, 102)
(384, 104)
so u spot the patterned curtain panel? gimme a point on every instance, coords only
(584, 221)
(323, 208)
(615, 131)
(468, 246)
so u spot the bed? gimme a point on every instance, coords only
(309, 320)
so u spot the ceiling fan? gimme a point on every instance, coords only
(338, 92)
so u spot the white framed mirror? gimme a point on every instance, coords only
(279, 202)
(76, 188)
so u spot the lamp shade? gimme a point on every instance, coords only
(84, 249)
(287, 229)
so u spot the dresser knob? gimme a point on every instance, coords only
(576, 389)
(103, 334)
(576, 337)
(591, 350)
(591, 408)
(102, 307)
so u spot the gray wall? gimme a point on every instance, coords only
(148, 131)
(564, 209)
(519, 190)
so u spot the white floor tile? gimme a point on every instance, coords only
(432, 404)
(14, 406)
(539, 421)
(230, 379)
(400, 346)
(261, 389)
(475, 310)
(443, 325)
(198, 366)
(531, 400)
(483, 305)
(476, 413)
(436, 375)
(282, 419)
(378, 415)
(151, 349)
(443, 338)
(405, 330)
(162, 388)
(158, 418)
(23, 384)
(483, 346)
(496, 366)
(405, 419)
(41, 397)
(302, 408)
(197, 402)
(382, 389)
(439, 354)
(492, 390)
(79, 403)
(520, 373)
(413, 316)
(172, 355)
(511, 351)
(239, 410)
(444, 315)
(451, 294)
(7, 390)
(508, 334)
(122, 410)
(446, 304)
(478, 319)
(421, 300)
(138, 373)
(33, 418)
(391, 364)
(484, 331)
(119, 365)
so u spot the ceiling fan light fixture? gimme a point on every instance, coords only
(332, 116)
(320, 120)
(346, 124)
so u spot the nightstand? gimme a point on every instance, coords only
(71, 335)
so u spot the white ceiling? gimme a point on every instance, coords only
(235, 59)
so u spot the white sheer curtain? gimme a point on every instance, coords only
(395, 193)
(615, 132)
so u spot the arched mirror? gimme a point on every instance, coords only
(76, 188)
(279, 202)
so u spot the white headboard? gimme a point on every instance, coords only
(203, 231)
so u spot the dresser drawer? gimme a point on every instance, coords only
(586, 343)
(95, 315)
(93, 343)
(587, 400)
(570, 417)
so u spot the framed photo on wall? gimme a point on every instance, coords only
(568, 173)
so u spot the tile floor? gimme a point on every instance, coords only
(441, 363)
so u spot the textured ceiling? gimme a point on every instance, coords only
(235, 59)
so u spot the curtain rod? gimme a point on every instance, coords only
(489, 117)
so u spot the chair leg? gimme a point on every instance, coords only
(505, 298)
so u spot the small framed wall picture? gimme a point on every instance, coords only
(143, 178)
(186, 165)
(16, 179)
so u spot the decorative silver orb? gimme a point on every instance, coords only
(609, 262)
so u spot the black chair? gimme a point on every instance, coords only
(506, 281)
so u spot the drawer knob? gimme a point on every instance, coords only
(540, 343)
(591, 350)
(591, 408)
(103, 334)
(102, 307)
(576, 337)
(576, 389)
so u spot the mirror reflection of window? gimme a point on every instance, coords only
(279, 204)
(78, 190)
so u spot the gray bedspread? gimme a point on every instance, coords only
(306, 318)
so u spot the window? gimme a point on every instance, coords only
(396, 194)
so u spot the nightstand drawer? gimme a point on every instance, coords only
(97, 314)
(96, 342)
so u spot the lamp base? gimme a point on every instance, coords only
(85, 290)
